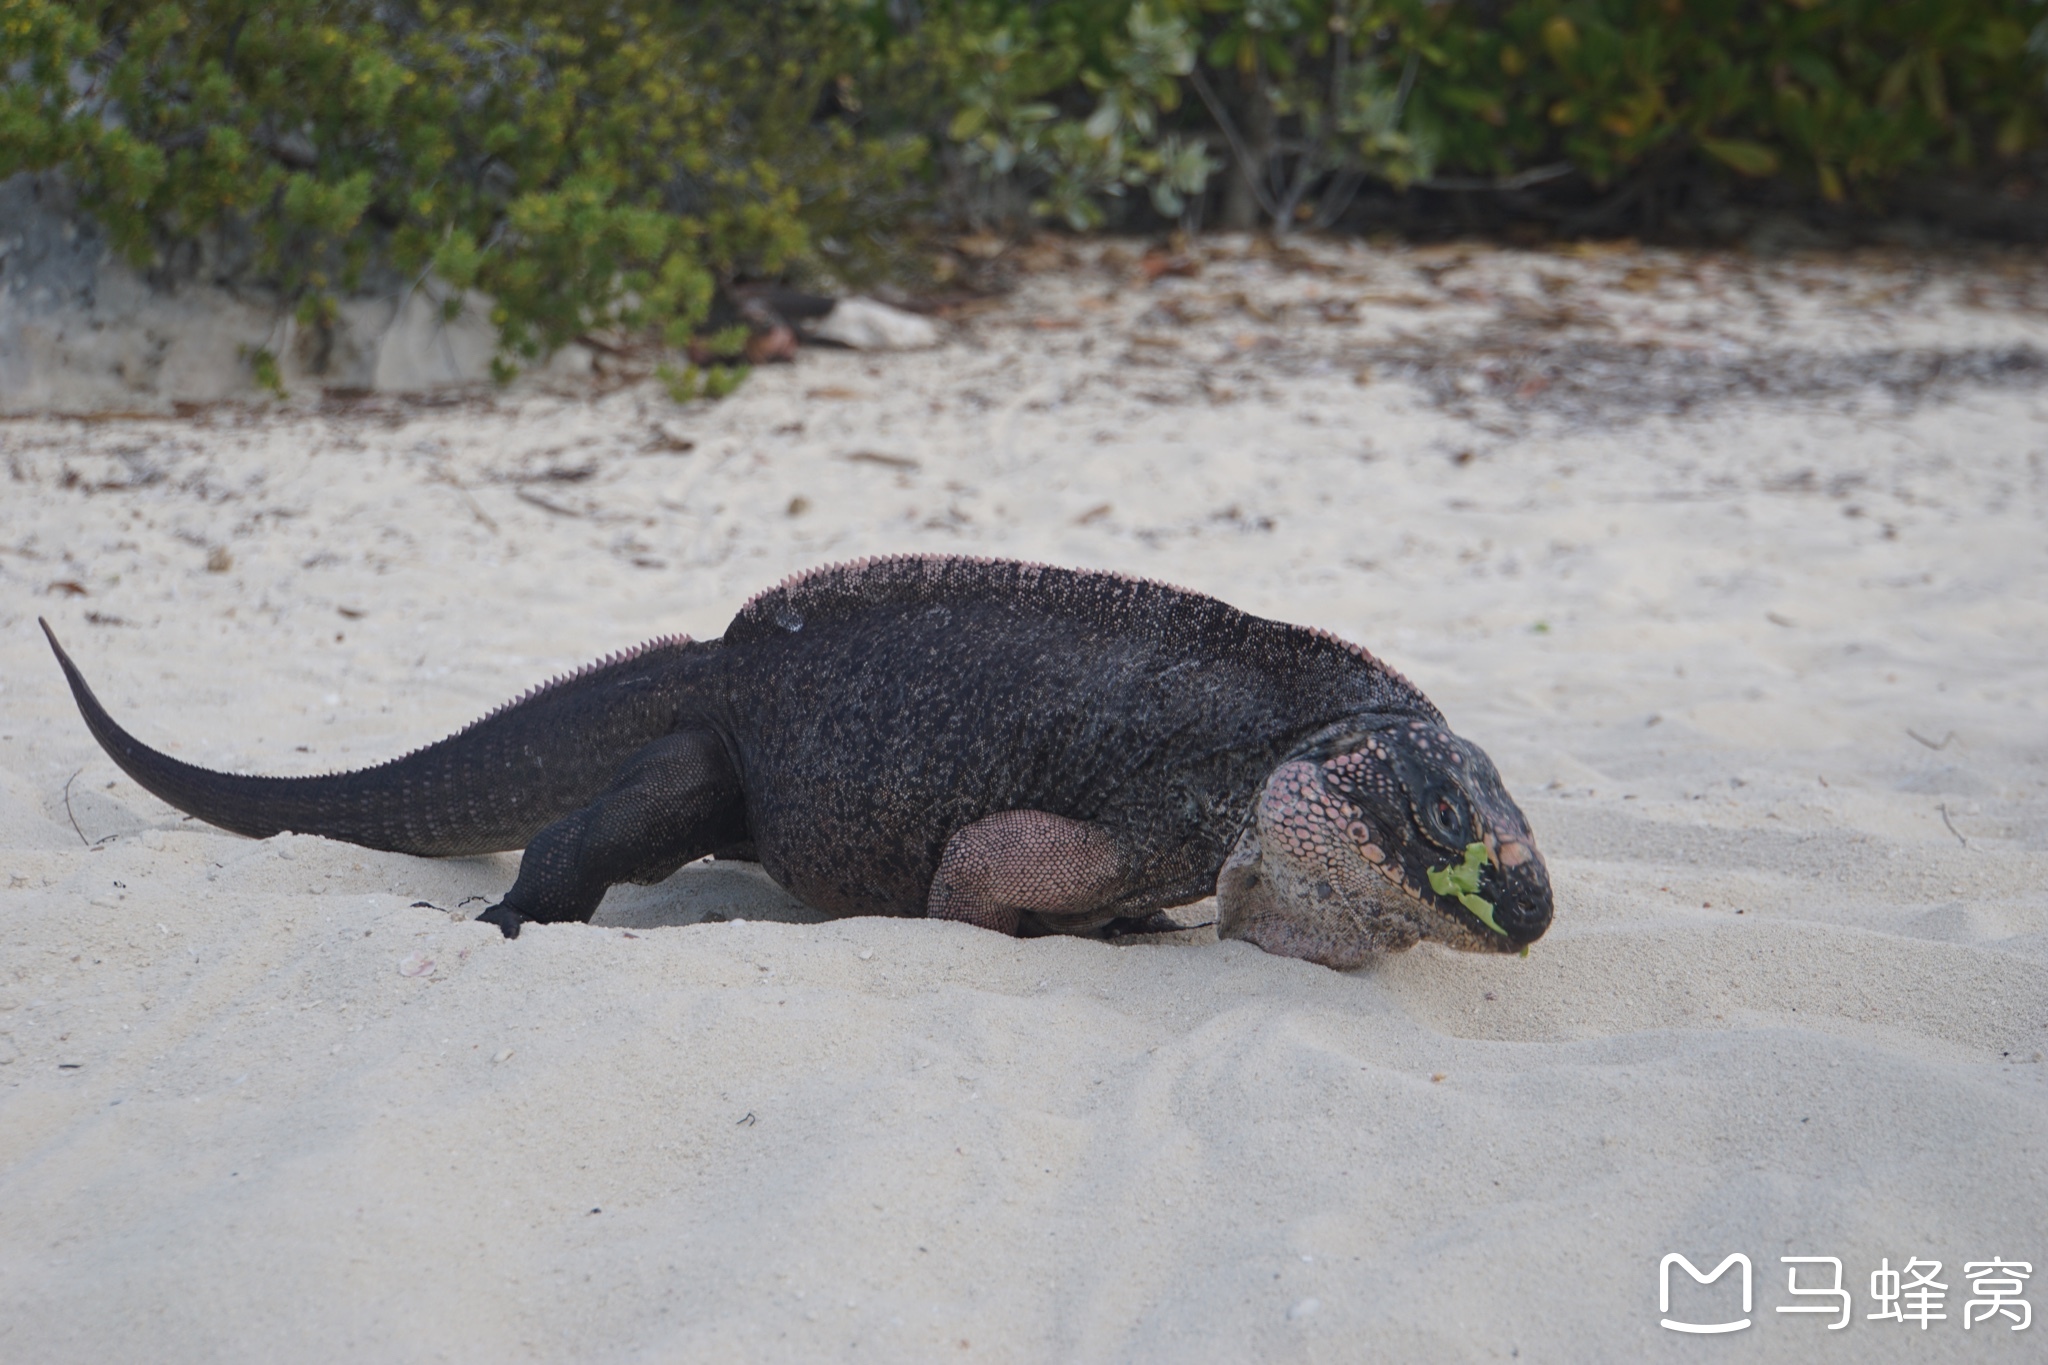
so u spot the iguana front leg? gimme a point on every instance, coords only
(674, 801)
(1017, 860)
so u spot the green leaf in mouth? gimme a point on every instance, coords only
(1462, 880)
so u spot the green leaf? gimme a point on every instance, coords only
(263, 367)
(1748, 158)
(1483, 908)
(1561, 37)
(967, 123)
(1462, 880)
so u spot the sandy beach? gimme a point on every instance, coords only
(1735, 565)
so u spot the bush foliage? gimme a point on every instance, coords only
(605, 163)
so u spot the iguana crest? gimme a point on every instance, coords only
(1118, 605)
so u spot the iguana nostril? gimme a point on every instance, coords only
(1522, 908)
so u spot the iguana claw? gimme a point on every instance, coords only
(505, 917)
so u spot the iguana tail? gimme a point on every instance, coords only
(490, 786)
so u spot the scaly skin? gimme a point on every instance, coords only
(1026, 748)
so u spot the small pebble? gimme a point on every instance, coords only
(503, 1054)
(1305, 1309)
(866, 953)
(415, 964)
(335, 1051)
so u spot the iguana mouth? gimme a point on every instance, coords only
(1485, 933)
(1461, 882)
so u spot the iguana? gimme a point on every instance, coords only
(1028, 749)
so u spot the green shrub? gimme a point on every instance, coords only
(1845, 93)
(594, 164)
(586, 165)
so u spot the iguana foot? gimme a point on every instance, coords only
(673, 802)
(505, 917)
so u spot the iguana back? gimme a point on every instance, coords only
(881, 705)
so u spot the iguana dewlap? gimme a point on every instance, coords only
(1028, 749)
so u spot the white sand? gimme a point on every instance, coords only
(259, 1105)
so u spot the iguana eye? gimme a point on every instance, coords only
(1448, 817)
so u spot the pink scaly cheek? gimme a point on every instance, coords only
(1301, 817)
(1366, 840)
(1388, 869)
(1289, 813)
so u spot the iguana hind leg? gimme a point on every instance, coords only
(674, 801)
(1015, 861)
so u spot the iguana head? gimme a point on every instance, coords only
(1380, 832)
